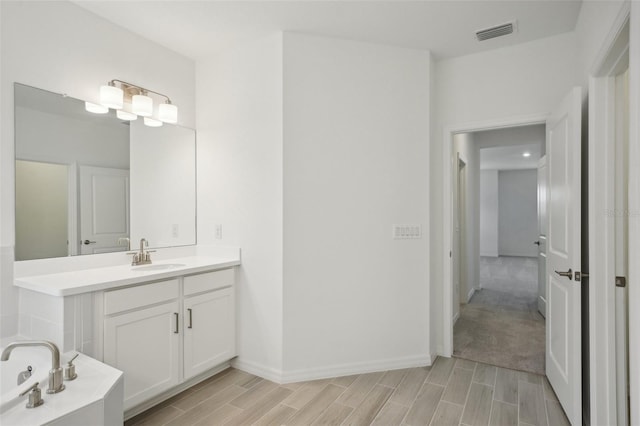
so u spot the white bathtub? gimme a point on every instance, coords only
(93, 399)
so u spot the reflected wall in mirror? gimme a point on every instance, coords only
(85, 183)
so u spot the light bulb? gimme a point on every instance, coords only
(142, 105)
(168, 113)
(111, 97)
(151, 122)
(95, 108)
(125, 115)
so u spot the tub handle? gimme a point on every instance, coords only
(35, 396)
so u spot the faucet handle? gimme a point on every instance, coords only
(70, 369)
(35, 396)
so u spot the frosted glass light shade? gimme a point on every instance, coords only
(111, 97)
(142, 105)
(151, 122)
(124, 115)
(95, 108)
(168, 113)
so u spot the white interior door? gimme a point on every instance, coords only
(104, 209)
(563, 327)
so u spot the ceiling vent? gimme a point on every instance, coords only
(497, 31)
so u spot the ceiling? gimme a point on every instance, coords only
(198, 29)
(510, 157)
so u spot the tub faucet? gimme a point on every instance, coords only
(55, 374)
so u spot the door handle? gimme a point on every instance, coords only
(568, 274)
(190, 318)
(87, 242)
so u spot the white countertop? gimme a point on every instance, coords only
(95, 279)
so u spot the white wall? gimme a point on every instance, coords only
(356, 150)
(240, 184)
(514, 81)
(489, 213)
(61, 47)
(309, 149)
(163, 185)
(518, 212)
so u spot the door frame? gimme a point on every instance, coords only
(602, 291)
(448, 211)
(634, 206)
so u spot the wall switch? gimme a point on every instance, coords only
(218, 233)
(406, 232)
(175, 230)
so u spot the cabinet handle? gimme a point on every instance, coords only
(190, 318)
(176, 330)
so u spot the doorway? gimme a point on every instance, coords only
(497, 226)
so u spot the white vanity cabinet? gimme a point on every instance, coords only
(164, 333)
(209, 325)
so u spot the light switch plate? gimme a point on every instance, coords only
(406, 232)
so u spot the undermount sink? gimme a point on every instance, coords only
(158, 267)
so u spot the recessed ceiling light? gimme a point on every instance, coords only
(526, 154)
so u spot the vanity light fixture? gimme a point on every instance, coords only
(168, 112)
(151, 122)
(95, 108)
(526, 154)
(126, 115)
(131, 101)
(142, 105)
(111, 96)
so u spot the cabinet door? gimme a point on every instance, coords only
(145, 345)
(209, 330)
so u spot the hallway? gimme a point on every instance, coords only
(501, 325)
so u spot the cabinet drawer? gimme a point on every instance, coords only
(139, 296)
(208, 281)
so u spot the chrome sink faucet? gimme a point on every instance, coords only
(142, 257)
(55, 374)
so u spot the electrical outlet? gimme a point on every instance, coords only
(218, 233)
(175, 230)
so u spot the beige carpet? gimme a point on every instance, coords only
(510, 339)
(501, 325)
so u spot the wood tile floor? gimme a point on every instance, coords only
(451, 392)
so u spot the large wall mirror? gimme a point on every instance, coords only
(89, 183)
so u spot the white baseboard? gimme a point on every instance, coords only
(258, 370)
(333, 371)
(357, 368)
(470, 295)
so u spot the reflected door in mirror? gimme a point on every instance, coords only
(104, 209)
